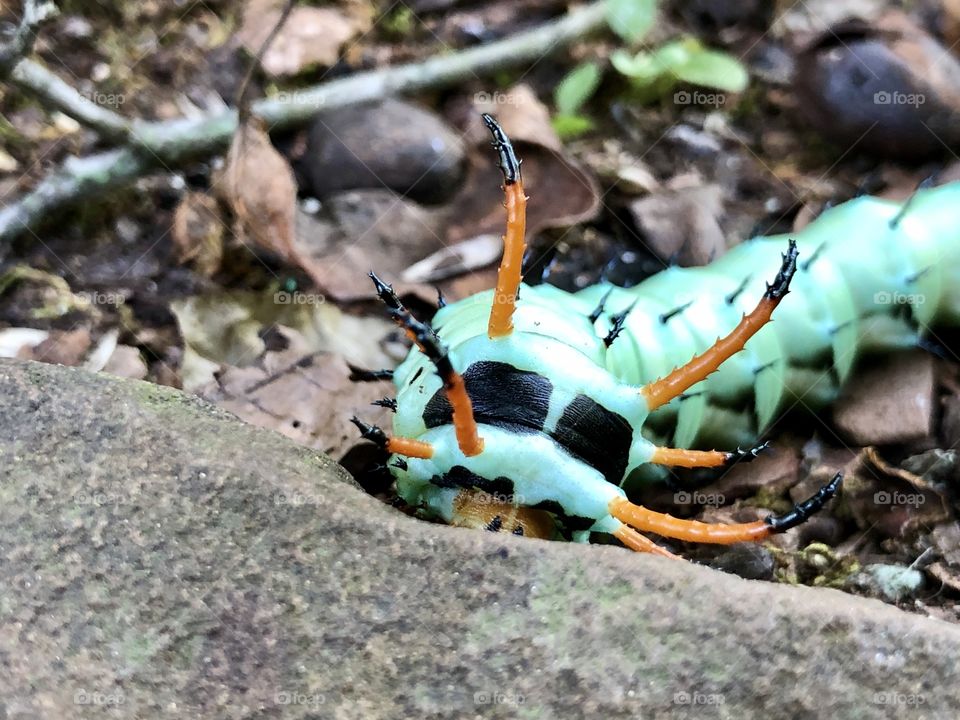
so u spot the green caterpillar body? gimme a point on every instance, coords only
(559, 409)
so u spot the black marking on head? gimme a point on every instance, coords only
(400, 464)
(495, 525)
(732, 297)
(509, 164)
(781, 283)
(460, 477)
(417, 374)
(667, 316)
(570, 522)
(599, 437)
(502, 396)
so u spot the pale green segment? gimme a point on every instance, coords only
(870, 285)
(870, 288)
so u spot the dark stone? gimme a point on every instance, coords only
(391, 144)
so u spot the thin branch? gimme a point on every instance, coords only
(169, 145)
(243, 97)
(34, 15)
(34, 78)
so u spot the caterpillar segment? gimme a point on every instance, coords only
(523, 402)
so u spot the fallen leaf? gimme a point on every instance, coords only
(310, 36)
(682, 225)
(889, 401)
(309, 398)
(62, 347)
(198, 233)
(232, 330)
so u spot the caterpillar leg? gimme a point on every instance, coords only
(408, 447)
(635, 541)
(666, 388)
(509, 275)
(678, 457)
(641, 518)
(465, 425)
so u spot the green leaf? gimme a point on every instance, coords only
(576, 88)
(631, 19)
(713, 69)
(571, 126)
(641, 67)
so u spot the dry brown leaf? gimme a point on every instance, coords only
(60, 348)
(198, 233)
(682, 225)
(310, 36)
(309, 398)
(891, 401)
(260, 187)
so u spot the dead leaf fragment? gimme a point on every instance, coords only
(198, 233)
(682, 225)
(891, 401)
(310, 36)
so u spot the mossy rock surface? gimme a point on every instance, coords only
(159, 558)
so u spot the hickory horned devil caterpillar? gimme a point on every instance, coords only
(521, 409)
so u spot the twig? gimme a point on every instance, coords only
(34, 15)
(55, 93)
(243, 97)
(171, 144)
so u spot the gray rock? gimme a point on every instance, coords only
(391, 144)
(161, 558)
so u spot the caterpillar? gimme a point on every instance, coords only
(528, 409)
